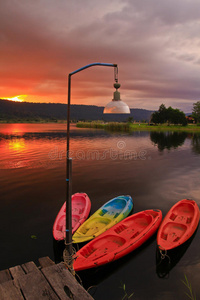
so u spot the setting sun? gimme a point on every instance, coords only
(19, 98)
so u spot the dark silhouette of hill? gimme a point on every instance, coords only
(27, 111)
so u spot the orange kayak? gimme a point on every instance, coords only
(178, 225)
(81, 206)
(119, 240)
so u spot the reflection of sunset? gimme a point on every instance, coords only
(17, 145)
(18, 128)
(19, 98)
(14, 129)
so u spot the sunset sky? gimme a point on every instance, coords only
(155, 43)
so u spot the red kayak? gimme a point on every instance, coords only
(178, 225)
(119, 240)
(81, 206)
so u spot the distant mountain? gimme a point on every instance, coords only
(26, 111)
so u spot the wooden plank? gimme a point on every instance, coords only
(8, 291)
(53, 282)
(30, 267)
(64, 283)
(32, 283)
(16, 271)
(5, 276)
(45, 262)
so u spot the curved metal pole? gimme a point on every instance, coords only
(91, 65)
(68, 239)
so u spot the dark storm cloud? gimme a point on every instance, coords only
(155, 43)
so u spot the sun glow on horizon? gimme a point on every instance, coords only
(19, 98)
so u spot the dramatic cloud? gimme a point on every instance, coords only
(155, 44)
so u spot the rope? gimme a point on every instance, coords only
(164, 255)
(69, 258)
(93, 286)
(79, 278)
(164, 271)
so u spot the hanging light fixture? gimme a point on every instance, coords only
(116, 106)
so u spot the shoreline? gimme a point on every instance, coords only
(114, 126)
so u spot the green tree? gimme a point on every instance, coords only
(168, 115)
(196, 111)
(163, 113)
(160, 116)
(175, 116)
(130, 120)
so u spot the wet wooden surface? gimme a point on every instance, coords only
(48, 281)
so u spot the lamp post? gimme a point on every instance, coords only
(115, 106)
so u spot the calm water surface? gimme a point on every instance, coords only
(156, 169)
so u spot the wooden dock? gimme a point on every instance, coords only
(49, 281)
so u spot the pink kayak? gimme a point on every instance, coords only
(81, 206)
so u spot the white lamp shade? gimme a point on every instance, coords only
(116, 107)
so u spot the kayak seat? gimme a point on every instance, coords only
(94, 226)
(109, 242)
(172, 232)
(102, 247)
(143, 220)
(184, 212)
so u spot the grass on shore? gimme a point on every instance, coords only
(119, 126)
(113, 126)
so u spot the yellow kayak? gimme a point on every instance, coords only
(104, 218)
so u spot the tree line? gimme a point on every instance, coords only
(196, 111)
(168, 115)
(175, 116)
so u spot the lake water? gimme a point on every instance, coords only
(156, 169)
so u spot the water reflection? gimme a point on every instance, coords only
(16, 145)
(33, 187)
(196, 143)
(168, 140)
(165, 263)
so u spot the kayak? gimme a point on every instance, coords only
(178, 225)
(81, 206)
(111, 213)
(119, 240)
